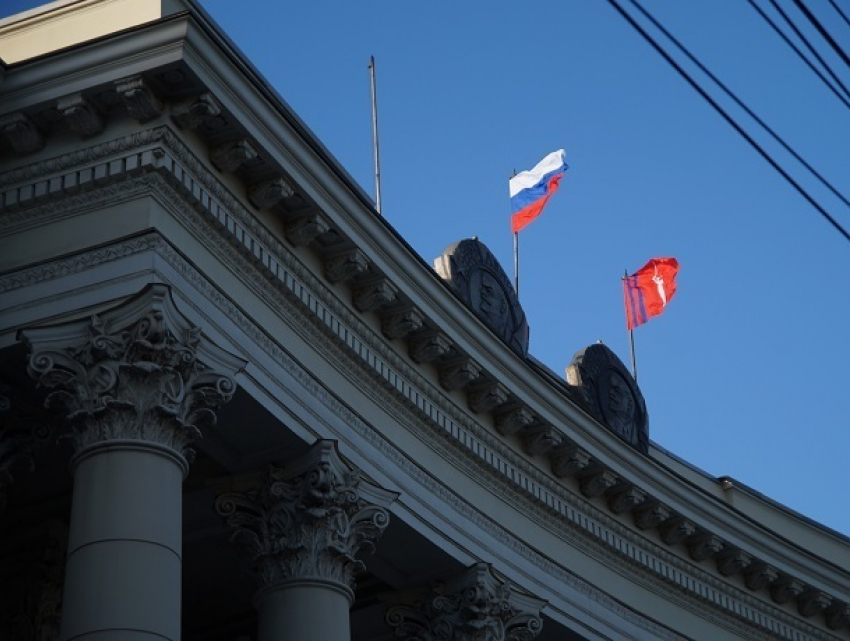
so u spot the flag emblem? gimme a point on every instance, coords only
(530, 190)
(649, 289)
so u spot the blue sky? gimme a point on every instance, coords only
(745, 374)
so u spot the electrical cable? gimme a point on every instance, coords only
(728, 118)
(799, 53)
(742, 105)
(840, 12)
(822, 31)
(809, 46)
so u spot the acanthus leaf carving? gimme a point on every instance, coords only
(80, 114)
(401, 322)
(138, 98)
(193, 113)
(476, 604)
(232, 156)
(304, 229)
(346, 266)
(21, 132)
(267, 193)
(513, 420)
(540, 438)
(486, 397)
(429, 347)
(308, 520)
(135, 371)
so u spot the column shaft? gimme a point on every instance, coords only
(122, 579)
(303, 611)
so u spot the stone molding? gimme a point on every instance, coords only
(309, 520)
(296, 280)
(139, 371)
(476, 604)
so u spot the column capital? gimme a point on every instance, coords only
(139, 371)
(476, 604)
(309, 520)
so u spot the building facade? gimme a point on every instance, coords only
(236, 405)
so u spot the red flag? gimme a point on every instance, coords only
(649, 289)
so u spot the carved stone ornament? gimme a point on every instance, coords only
(650, 515)
(399, 323)
(486, 397)
(430, 347)
(759, 575)
(474, 605)
(540, 438)
(268, 193)
(346, 266)
(513, 420)
(568, 459)
(597, 481)
(704, 546)
(478, 278)
(81, 116)
(198, 111)
(303, 230)
(21, 133)
(731, 561)
(459, 373)
(611, 394)
(786, 589)
(309, 520)
(625, 498)
(375, 295)
(233, 155)
(140, 101)
(139, 371)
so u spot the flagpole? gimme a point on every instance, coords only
(516, 263)
(516, 258)
(631, 333)
(375, 134)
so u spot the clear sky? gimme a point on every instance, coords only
(746, 373)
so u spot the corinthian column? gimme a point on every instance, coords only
(304, 526)
(137, 383)
(473, 606)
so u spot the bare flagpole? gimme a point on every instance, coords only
(375, 134)
(631, 331)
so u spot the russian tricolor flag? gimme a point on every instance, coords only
(531, 189)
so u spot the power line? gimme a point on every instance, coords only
(840, 12)
(823, 32)
(742, 105)
(799, 53)
(809, 46)
(727, 117)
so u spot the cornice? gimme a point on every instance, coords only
(324, 216)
